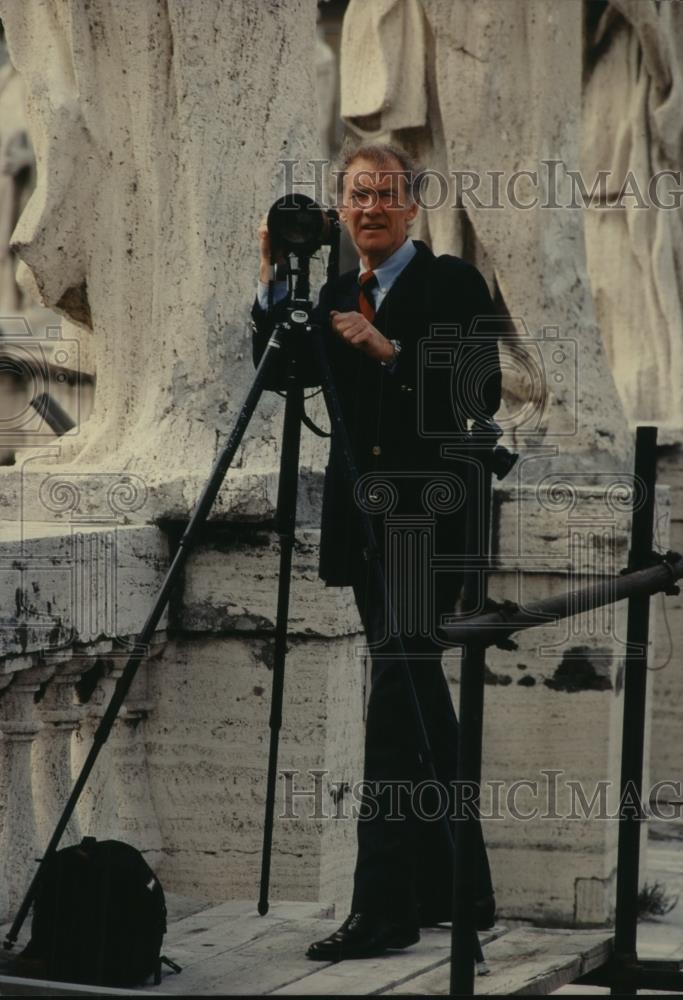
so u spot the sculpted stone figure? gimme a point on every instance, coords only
(634, 53)
(147, 120)
(460, 116)
(17, 170)
(326, 86)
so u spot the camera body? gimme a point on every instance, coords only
(297, 227)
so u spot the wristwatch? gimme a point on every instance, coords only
(396, 344)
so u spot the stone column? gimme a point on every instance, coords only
(53, 779)
(19, 846)
(5, 762)
(135, 804)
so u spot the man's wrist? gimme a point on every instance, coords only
(279, 293)
(387, 351)
(273, 272)
(391, 353)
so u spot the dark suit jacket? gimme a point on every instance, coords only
(448, 370)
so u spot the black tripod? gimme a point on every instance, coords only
(296, 330)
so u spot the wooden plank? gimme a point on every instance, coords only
(206, 936)
(381, 974)
(267, 961)
(528, 961)
(199, 944)
(238, 908)
(231, 950)
(229, 926)
(11, 986)
(274, 961)
(282, 909)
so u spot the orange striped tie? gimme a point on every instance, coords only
(366, 304)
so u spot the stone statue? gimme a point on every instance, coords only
(450, 107)
(17, 177)
(634, 54)
(147, 120)
(326, 87)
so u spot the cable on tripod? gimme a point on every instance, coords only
(307, 422)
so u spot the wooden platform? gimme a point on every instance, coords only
(230, 950)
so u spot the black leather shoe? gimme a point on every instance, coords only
(485, 910)
(363, 935)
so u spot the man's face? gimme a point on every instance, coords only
(376, 209)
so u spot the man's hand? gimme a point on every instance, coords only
(357, 331)
(264, 247)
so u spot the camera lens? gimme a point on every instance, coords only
(298, 225)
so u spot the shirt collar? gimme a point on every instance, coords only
(389, 270)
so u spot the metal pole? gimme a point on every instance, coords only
(464, 942)
(633, 726)
(496, 626)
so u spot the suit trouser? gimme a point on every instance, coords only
(404, 857)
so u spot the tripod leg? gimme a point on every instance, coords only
(286, 521)
(142, 641)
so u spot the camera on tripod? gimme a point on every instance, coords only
(297, 228)
(298, 225)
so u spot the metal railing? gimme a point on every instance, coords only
(647, 573)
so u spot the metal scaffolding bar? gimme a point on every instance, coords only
(494, 626)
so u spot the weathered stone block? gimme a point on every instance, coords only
(231, 584)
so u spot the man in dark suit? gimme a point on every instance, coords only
(399, 410)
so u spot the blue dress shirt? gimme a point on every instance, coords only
(386, 275)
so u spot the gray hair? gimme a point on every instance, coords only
(382, 155)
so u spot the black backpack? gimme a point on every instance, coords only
(99, 916)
